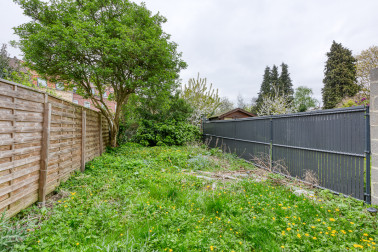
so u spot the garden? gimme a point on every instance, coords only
(188, 198)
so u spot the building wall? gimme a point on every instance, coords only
(70, 95)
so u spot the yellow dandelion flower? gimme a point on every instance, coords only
(307, 235)
(332, 219)
(314, 238)
(352, 223)
(288, 229)
(312, 226)
(299, 235)
(77, 244)
(366, 234)
(282, 246)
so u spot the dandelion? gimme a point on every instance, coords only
(178, 230)
(352, 223)
(307, 235)
(299, 235)
(332, 219)
(314, 238)
(312, 226)
(357, 246)
(288, 229)
(366, 234)
(211, 248)
(121, 234)
(77, 244)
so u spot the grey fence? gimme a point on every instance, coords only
(334, 145)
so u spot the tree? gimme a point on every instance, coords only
(109, 45)
(366, 61)
(204, 100)
(11, 69)
(225, 106)
(274, 82)
(265, 87)
(340, 76)
(275, 105)
(303, 99)
(285, 85)
(5, 68)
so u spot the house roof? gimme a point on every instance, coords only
(233, 111)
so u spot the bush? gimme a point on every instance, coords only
(171, 132)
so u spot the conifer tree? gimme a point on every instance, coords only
(285, 85)
(265, 87)
(274, 80)
(340, 76)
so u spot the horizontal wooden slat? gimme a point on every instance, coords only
(18, 163)
(21, 106)
(21, 95)
(18, 185)
(23, 151)
(20, 140)
(20, 118)
(18, 129)
(18, 174)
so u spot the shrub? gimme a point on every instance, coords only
(170, 132)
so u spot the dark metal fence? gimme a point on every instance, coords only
(333, 145)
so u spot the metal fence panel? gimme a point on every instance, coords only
(331, 145)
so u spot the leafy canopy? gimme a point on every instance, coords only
(112, 45)
(339, 76)
(303, 99)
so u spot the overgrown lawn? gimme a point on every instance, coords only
(146, 199)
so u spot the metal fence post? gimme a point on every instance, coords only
(367, 153)
(271, 143)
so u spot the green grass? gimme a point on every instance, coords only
(140, 199)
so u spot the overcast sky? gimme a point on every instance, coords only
(231, 42)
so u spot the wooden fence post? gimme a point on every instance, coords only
(83, 136)
(44, 153)
(100, 126)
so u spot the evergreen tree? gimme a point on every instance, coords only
(274, 81)
(340, 76)
(285, 85)
(265, 87)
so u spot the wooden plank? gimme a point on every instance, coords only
(30, 189)
(23, 151)
(18, 185)
(18, 163)
(20, 118)
(18, 129)
(44, 153)
(83, 132)
(25, 96)
(21, 106)
(59, 113)
(20, 140)
(18, 174)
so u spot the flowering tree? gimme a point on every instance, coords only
(203, 99)
(275, 105)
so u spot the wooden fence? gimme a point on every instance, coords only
(43, 139)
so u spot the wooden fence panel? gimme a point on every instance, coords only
(34, 162)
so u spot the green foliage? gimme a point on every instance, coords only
(144, 199)
(169, 132)
(274, 85)
(203, 99)
(357, 100)
(303, 99)
(158, 118)
(339, 76)
(285, 86)
(366, 61)
(116, 46)
(10, 234)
